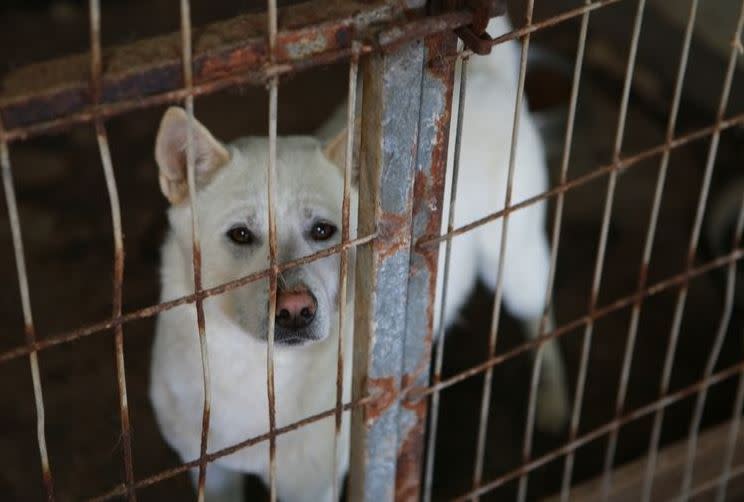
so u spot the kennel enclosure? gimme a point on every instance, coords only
(411, 57)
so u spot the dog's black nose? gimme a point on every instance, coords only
(295, 309)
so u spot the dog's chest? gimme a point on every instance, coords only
(238, 383)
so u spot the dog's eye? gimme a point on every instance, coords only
(322, 231)
(241, 235)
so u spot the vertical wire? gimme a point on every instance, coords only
(273, 91)
(30, 331)
(273, 95)
(196, 245)
(439, 346)
(496, 311)
(712, 361)
(630, 342)
(581, 379)
(692, 250)
(344, 259)
(108, 170)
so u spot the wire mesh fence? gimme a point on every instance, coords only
(407, 103)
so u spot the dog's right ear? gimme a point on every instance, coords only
(170, 153)
(335, 150)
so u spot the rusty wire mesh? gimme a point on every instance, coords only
(268, 70)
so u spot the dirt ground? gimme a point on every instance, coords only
(67, 234)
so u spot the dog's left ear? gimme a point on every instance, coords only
(335, 150)
(170, 153)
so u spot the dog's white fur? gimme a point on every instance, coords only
(231, 188)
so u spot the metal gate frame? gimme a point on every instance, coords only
(405, 133)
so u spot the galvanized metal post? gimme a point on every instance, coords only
(390, 119)
(431, 167)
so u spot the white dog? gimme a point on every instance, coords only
(231, 197)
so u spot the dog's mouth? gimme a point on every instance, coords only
(294, 337)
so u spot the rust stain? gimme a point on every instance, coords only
(408, 473)
(385, 392)
(393, 234)
(395, 35)
(302, 43)
(222, 65)
(441, 66)
(30, 332)
(48, 484)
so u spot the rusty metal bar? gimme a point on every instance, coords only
(439, 350)
(28, 321)
(188, 80)
(351, 101)
(108, 170)
(605, 429)
(126, 436)
(428, 193)
(697, 225)
(712, 360)
(390, 113)
(238, 56)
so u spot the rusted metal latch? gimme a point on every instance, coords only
(474, 36)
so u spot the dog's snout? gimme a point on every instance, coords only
(295, 309)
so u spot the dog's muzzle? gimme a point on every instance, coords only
(295, 313)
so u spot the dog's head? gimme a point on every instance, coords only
(231, 197)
